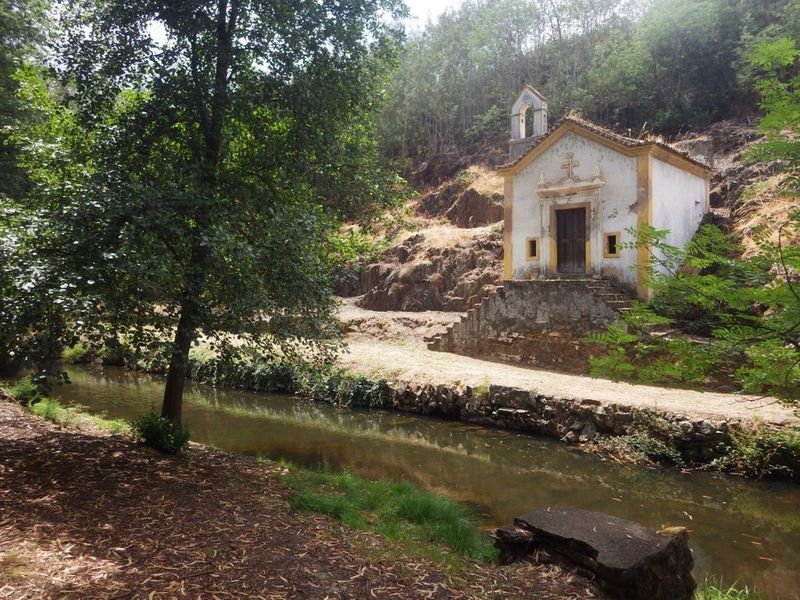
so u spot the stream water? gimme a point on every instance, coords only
(742, 531)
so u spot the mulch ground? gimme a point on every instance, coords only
(88, 515)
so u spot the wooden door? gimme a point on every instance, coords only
(571, 240)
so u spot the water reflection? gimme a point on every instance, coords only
(742, 531)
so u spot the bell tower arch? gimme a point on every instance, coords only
(531, 106)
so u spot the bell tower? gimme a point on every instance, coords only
(528, 121)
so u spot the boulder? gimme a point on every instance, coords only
(629, 560)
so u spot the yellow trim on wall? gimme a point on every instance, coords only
(528, 255)
(508, 199)
(644, 216)
(678, 161)
(650, 148)
(606, 253)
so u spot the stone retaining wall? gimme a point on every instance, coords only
(570, 420)
(541, 323)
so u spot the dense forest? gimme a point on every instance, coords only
(660, 65)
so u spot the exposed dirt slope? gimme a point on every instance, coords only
(450, 256)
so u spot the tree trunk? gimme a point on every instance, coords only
(211, 125)
(178, 368)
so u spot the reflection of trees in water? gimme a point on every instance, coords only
(500, 473)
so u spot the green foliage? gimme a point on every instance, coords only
(762, 451)
(161, 433)
(642, 447)
(419, 523)
(713, 591)
(23, 27)
(189, 186)
(750, 308)
(489, 128)
(665, 64)
(778, 63)
(77, 354)
(347, 389)
(25, 391)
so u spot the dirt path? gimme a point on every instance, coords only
(360, 323)
(85, 515)
(410, 360)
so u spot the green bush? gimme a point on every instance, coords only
(348, 389)
(77, 354)
(25, 391)
(641, 447)
(160, 433)
(762, 452)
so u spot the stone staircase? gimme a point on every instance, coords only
(603, 291)
(612, 294)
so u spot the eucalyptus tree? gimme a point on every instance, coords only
(199, 152)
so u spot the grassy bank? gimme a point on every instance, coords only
(416, 523)
(713, 591)
(27, 393)
(413, 524)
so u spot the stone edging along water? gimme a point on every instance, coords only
(570, 420)
(658, 435)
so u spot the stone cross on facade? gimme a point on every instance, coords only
(569, 164)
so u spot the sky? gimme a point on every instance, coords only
(421, 10)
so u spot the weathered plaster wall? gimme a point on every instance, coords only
(680, 199)
(613, 207)
(543, 323)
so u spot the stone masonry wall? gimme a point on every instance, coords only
(542, 323)
(568, 419)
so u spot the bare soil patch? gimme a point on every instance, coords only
(87, 515)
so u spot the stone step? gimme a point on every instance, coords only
(619, 303)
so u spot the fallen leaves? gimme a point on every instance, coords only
(86, 515)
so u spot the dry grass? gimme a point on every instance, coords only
(485, 180)
(764, 206)
(444, 235)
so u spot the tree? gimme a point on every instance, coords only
(749, 307)
(22, 26)
(184, 197)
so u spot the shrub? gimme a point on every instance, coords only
(762, 452)
(77, 354)
(348, 389)
(160, 433)
(25, 391)
(642, 447)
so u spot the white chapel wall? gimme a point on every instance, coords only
(680, 199)
(613, 207)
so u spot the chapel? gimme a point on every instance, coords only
(574, 192)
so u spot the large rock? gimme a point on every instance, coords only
(629, 560)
